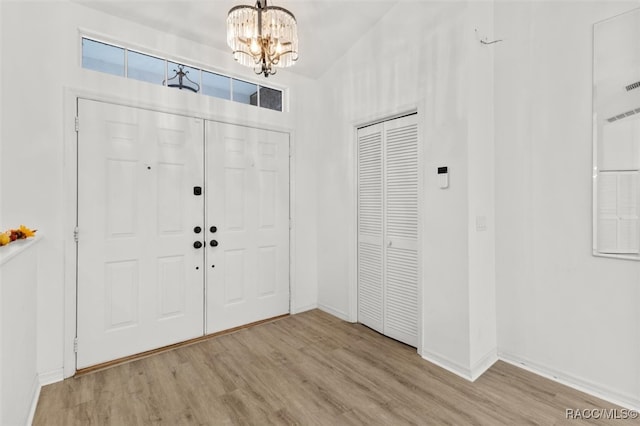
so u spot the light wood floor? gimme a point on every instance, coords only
(308, 369)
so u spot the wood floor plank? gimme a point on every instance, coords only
(305, 369)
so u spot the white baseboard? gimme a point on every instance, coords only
(35, 396)
(50, 377)
(485, 363)
(306, 308)
(624, 400)
(470, 374)
(447, 364)
(336, 313)
(39, 381)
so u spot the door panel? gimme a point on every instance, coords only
(401, 229)
(248, 203)
(140, 279)
(370, 228)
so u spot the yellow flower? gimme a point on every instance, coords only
(27, 232)
(4, 239)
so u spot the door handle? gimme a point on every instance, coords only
(197, 229)
(213, 243)
(197, 244)
(213, 229)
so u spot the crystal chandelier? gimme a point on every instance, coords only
(263, 37)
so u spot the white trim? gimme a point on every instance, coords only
(484, 363)
(628, 401)
(336, 313)
(70, 186)
(447, 364)
(352, 229)
(35, 396)
(292, 225)
(305, 308)
(16, 247)
(39, 381)
(49, 377)
(71, 94)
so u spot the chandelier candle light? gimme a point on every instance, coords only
(263, 37)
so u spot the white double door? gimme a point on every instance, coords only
(183, 229)
(388, 216)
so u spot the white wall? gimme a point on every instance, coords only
(45, 68)
(19, 386)
(420, 55)
(561, 311)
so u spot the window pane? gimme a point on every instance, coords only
(246, 93)
(270, 98)
(102, 57)
(216, 85)
(145, 67)
(190, 81)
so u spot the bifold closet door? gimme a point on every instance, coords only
(388, 228)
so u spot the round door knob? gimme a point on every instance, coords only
(197, 230)
(197, 244)
(213, 243)
(213, 229)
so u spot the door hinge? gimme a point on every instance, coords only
(76, 234)
(75, 345)
(77, 124)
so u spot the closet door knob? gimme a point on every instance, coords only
(197, 230)
(213, 229)
(197, 245)
(213, 243)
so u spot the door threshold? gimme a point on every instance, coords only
(126, 359)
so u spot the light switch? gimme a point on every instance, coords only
(481, 223)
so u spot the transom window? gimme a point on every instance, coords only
(115, 60)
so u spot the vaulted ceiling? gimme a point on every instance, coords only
(326, 28)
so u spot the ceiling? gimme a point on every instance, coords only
(323, 25)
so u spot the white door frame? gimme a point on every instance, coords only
(70, 184)
(353, 231)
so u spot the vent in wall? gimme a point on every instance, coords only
(623, 115)
(633, 86)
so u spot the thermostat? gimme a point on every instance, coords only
(443, 177)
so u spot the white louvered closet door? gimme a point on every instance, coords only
(370, 227)
(388, 228)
